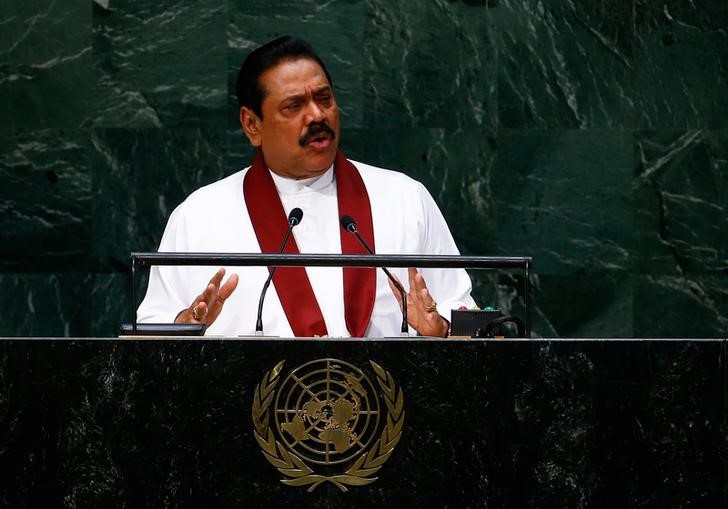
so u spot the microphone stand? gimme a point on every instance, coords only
(294, 218)
(350, 225)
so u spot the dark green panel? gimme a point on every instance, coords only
(565, 197)
(681, 64)
(46, 304)
(681, 202)
(66, 303)
(681, 306)
(565, 64)
(334, 29)
(46, 71)
(110, 301)
(45, 201)
(584, 305)
(428, 64)
(159, 63)
(140, 176)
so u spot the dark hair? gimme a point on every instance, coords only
(250, 93)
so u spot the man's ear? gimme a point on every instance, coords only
(251, 125)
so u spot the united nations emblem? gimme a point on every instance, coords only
(325, 422)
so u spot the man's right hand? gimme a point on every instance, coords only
(208, 305)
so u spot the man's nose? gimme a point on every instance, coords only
(315, 113)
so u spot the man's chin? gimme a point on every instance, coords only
(320, 161)
(307, 164)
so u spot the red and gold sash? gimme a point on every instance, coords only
(292, 283)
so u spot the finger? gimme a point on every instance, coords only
(425, 303)
(213, 287)
(225, 291)
(188, 315)
(412, 274)
(222, 295)
(217, 278)
(429, 305)
(202, 310)
(426, 297)
(201, 306)
(210, 294)
(203, 297)
(228, 288)
(417, 284)
(420, 282)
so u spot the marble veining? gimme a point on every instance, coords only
(589, 135)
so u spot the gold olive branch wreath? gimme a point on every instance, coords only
(295, 469)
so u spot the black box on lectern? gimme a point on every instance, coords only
(469, 322)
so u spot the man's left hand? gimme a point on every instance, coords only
(422, 312)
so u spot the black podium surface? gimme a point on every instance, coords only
(478, 423)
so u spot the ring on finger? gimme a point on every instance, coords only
(197, 314)
(432, 307)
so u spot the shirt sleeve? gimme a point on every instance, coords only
(167, 294)
(451, 288)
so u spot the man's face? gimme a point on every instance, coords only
(299, 132)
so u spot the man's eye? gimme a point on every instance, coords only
(293, 107)
(325, 99)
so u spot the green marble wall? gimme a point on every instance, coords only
(590, 135)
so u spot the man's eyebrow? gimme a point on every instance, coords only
(296, 97)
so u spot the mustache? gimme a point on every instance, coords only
(314, 130)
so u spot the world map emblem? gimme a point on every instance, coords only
(326, 421)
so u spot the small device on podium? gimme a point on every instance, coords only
(162, 329)
(482, 323)
(469, 322)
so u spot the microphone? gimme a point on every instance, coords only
(294, 218)
(348, 224)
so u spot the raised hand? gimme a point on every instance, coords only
(422, 312)
(208, 305)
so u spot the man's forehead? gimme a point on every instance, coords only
(292, 77)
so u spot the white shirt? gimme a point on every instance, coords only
(215, 218)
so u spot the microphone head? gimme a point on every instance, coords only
(348, 223)
(295, 216)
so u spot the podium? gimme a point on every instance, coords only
(101, 422)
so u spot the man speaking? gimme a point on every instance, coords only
(289, 112)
